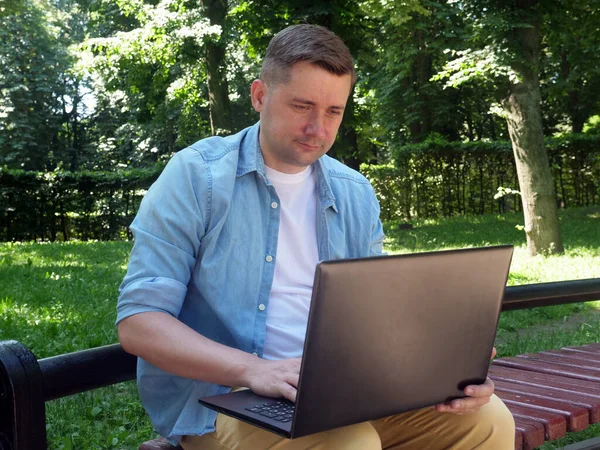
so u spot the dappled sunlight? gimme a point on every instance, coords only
(79, 254)
(578, 263)
(580, 231)
(594, 305)
(33, 315)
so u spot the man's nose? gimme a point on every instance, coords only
(316, 125)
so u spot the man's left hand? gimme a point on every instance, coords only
(477, 396)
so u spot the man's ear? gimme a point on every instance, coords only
(258, 92)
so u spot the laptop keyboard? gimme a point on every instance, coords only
(281, 411)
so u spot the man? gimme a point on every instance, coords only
(220, 277)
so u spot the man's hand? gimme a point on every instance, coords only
(478, 395)
(274, 378)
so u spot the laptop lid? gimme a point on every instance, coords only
(394, 333)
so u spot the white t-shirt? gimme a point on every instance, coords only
(297, 257)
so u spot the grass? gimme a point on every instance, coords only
(58, 298)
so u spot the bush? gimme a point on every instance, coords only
(439, 178)
(66, 205)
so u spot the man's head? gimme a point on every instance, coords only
(303, 88)
(311, 43)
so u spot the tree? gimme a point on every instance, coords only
(571, 73)
(155, 74)
(509, 39)
(34, 64)
(218, 91)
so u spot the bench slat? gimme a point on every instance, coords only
(592, 404)
(578, 418)
(550, 368)
(568, 353)
(543, 380)
(593, 346)
(532, 433)
(586, 351)
(555, 425)
(518, 439)
(570, 362)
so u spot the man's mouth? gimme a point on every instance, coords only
(308, 145)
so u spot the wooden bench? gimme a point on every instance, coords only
(549, 393)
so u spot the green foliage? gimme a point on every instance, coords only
(155, 71)
(65, 205)
(572, 87)
(592, 125)
(440, 178)
(33, 83)
(103, 84)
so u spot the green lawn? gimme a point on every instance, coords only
(58, 298)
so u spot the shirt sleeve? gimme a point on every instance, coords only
(377, 235)
(167, 230)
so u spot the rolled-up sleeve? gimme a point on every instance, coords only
(167, 230)
(377, 235)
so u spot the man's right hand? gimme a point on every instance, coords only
(274, 378)
(167, 343)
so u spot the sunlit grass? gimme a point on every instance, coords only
(61, 297)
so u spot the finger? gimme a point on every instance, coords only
(292, 379)
(480, 390)
(469, 404)
(293, 365)
(289, 392)
(296, 364)
(463, 406)
(493, 352)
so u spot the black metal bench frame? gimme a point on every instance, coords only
(27, 383)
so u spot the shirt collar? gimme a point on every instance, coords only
(251, 160)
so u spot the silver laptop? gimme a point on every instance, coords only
(385, 335)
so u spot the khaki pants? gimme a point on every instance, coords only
(492, 427)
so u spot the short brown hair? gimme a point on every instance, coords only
(312, 43)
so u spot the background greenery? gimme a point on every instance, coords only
(102, 84)
(61, 297)
(432, 179)
(105, 85)
(96, 95)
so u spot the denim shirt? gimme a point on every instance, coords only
(205, 252)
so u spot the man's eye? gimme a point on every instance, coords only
(301, 107)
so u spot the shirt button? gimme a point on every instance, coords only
(261, 307)
(269, 258)
(274, 205)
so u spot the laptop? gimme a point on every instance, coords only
(385, 335)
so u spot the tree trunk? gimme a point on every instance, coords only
(422, 71)
(218, 88)
(577, 115)
(524, 118)
(347, 149)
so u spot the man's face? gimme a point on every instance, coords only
(299, 119)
